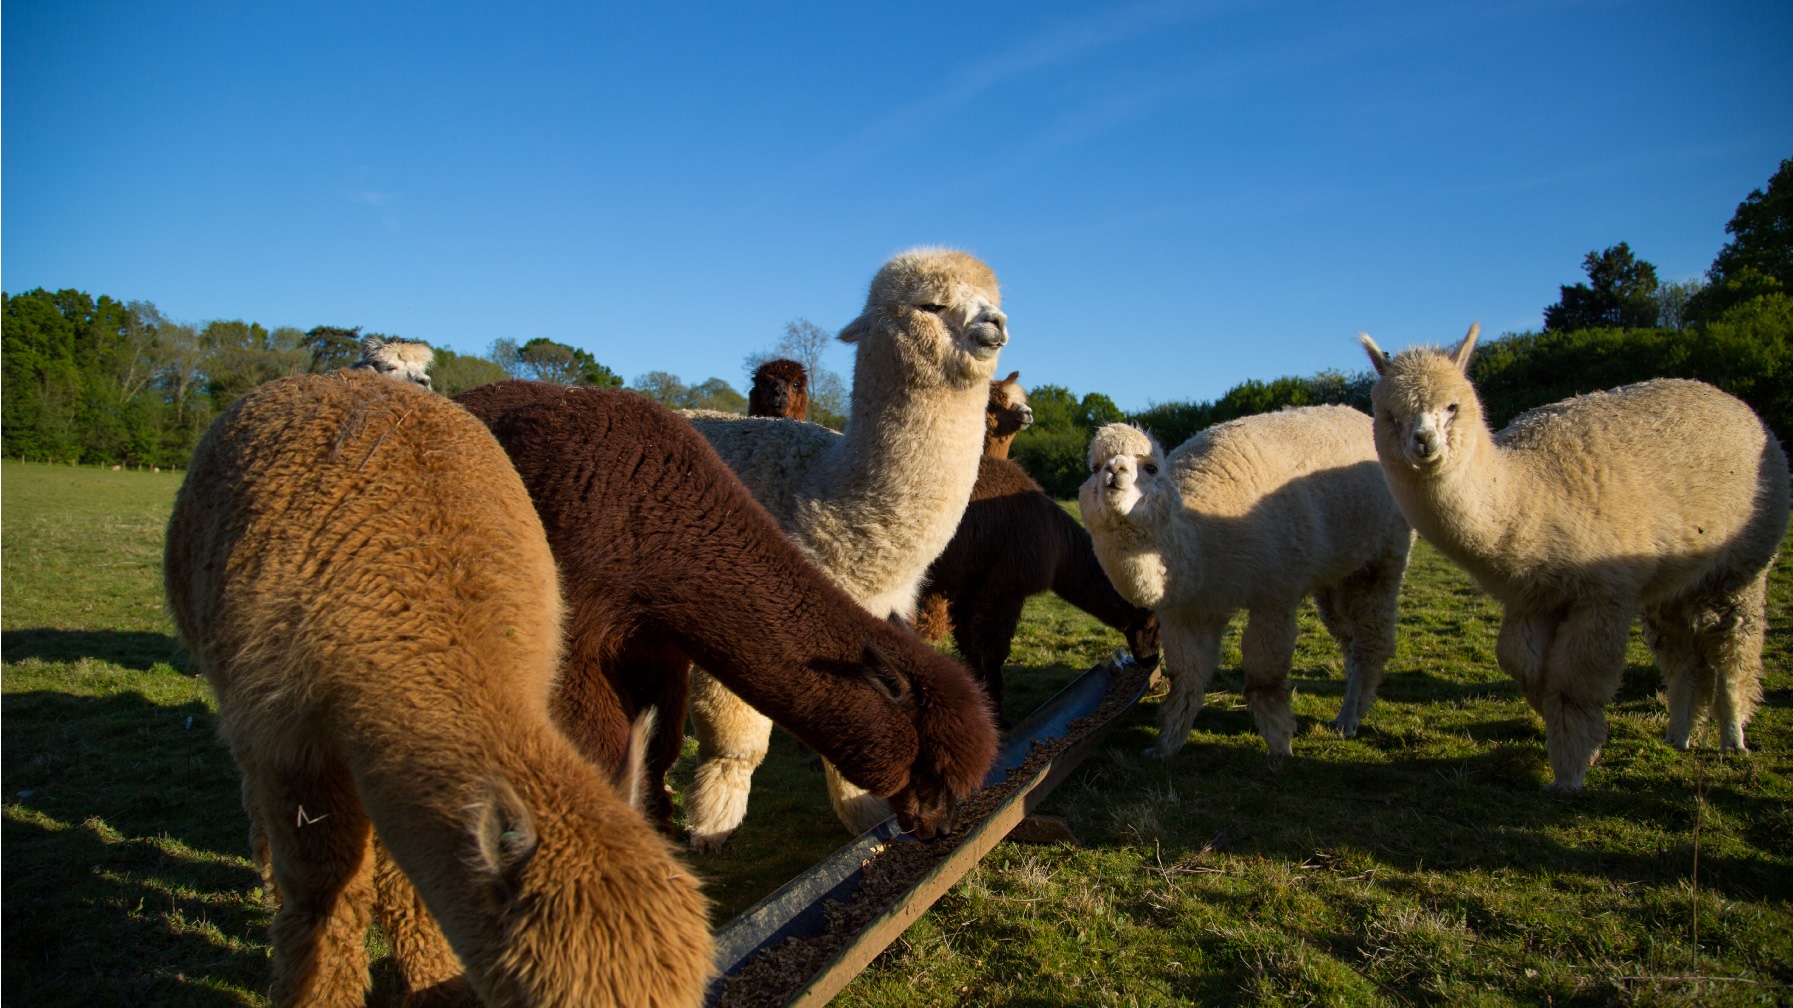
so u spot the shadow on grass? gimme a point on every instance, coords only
(127, 879)
(131, 649)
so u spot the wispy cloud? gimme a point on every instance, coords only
(382, 204)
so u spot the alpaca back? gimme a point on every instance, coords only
(1669, 478)
(359, 573)
(1275, 502)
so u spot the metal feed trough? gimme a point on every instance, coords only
(798, 909)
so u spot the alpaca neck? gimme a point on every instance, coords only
(894, 487)
(997, 445)
(1129, 550)
(1471, 511)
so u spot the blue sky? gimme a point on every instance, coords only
(1176, 196)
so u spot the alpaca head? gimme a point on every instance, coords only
(955, 728)
(933, 318)
(403, 359)
(1007, 413)
(1426, 411)
(780, 389)
(1125, 466)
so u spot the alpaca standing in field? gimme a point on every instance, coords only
(873, 506)
(358, 572)
(1668, 497)
(780, 389)
(1013, 542)
(1253, 514)
(676, 561)
(1005, 415)
(402, 359)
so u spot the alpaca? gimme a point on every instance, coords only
(1253, 514)
(780, 389)
(358, 572)
(676, 561)
(1015, 541)
(873, 506)
(1005, 415)
(403, 359)
(1667, 497)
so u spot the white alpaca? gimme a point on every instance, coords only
(872, 507)
(401, 359)
(1253, 514)
(1668, 497)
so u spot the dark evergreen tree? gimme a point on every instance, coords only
(1620, 292)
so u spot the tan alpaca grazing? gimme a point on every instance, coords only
(1006, 414)
(872, 507)
(360, 575)
(1667, 497)
(1253, 514)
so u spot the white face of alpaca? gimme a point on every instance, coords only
(1423, 437)
(973, 322)
(1123, 480)
(411, 371)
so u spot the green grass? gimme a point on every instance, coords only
(1415, 864)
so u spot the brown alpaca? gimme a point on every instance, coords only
(1006, 416)
(1015, 541)
(780, 389)
(358, 571)
(666, 557)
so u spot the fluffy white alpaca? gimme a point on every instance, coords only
(401, 359)
(872, 507)
(1668, 497)
(1253, 514)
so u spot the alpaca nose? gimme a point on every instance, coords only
(1026, 416)
(1425, 444)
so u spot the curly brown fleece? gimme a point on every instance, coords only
(665, 558)
(359, 573)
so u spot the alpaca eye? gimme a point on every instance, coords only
(932, 308)
(1452, 408)
(1151, 470)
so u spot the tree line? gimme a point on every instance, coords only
(97, 380)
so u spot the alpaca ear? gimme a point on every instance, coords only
(1013, 376)
(857, 329)
(1460, 356)
(882, 672)
(370, 343)
(1378, 357)
(504, 835)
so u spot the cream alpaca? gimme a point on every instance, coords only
(360, 575)
(1254, 514)
(400, 359)
(1668, 497)
(872, 507)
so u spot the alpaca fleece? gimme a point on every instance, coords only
(1667, 497)
(871, 507)
(666, 558)
(1013, 542)
(780, 389)
(1253, 514)
(359, 574)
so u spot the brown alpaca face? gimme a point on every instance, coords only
(1007, 412)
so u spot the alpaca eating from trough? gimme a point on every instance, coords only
(780, 389)
(1005, 415)
(359, 573)
(873, 506)
(1667, 497)
(1253, 514)
(400, 359)
(675, 561)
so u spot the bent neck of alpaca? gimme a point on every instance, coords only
(1470, 513)
(893, 489)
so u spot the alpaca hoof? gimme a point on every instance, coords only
(1155, 752)
(708, 843)
(1682, 743)
(1560, 787)
(1345, 729)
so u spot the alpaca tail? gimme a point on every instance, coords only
(631, 777)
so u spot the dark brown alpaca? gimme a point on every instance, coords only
(780, 389)
(666, 558)
(1015, 541)
(1006, 416)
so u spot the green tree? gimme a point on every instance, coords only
(452, 373)
(331, 347)
(669, 390)
(1758, 260)
(545, 360)
(1620, 292)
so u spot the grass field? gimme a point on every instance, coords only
(1415, 864)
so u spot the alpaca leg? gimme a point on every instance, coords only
(1581, 674)
(1268, 649)
(1688, 679)
(668, 743)
(1369, 601)
(319, 839)
(433, 974)
(1329, 603)
(1191, 653)
(732, 739)
(985, 628)
(1734, 651)
(1526, 638)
